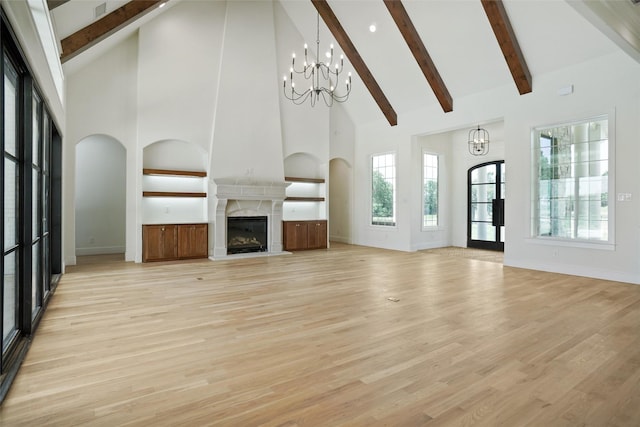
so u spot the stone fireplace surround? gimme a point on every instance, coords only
(247, 197)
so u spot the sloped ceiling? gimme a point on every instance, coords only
(552, 35)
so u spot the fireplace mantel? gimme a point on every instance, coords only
(247, 197)
(249, 189)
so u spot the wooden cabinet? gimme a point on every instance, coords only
(165, 242)
(159, 242)
(192, 241)
(317, 234)
(294, 235)
(301, 235)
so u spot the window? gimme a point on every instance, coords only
(31, 148)
(383, 189)
(571, 180)
(11, 207)
(429, 190)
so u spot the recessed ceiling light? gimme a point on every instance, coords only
(372, 27)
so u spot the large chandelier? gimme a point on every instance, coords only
(478, 141)
(323, 77)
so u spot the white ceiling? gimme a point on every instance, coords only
(552, 34)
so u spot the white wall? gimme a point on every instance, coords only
(340, 200)
(247, 118)
(442, 144)
(252, 136)
(101, 99)
(608, 85)
(23, 24)
(100, 196)
(174, 155)
(602, 85)
(177, 89)
(225, 99)
(462, 161)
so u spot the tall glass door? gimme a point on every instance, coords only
(486, 192)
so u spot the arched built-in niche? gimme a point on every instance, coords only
(100, 196)
(173, 170)
(340, 200)
(174, 154)
(306, 194)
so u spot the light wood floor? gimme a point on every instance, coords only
(311, 339)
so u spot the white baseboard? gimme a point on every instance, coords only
(429, 245)
(340, 239)
(573, 270)
(100, 250)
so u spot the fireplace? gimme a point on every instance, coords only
(247, 198)
(246, 234)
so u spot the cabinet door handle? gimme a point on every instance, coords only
(162, 228)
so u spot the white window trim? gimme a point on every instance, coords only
(395, 192)
(576, 243)
(438, 226)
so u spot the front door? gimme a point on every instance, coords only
(486, 191)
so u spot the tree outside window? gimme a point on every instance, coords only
(383, 173)
(429, 190)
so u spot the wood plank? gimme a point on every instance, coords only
(171, 172)
(171, 194)
(92, 34)
(508, 42)
(356, 60)
(311, 339)
(420, 53)
(298, 179)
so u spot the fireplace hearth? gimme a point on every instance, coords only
(246, 234)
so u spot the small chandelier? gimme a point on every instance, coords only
(478, 141)
(323, 77)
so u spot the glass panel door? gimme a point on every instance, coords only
(486, 189)
(11, 206)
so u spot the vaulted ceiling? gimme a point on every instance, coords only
(423, 52)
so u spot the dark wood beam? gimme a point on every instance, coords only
(508, 44)
(92, 34)
(356, 60)
(52, 4)
(411, 36)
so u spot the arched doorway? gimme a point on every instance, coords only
(340, 197)
(100, 196)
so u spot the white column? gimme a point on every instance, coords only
(220, 236)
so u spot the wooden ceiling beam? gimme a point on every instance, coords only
(356, 60)
(506, 37)
(411, 36)
(52, 4)
(90, 35)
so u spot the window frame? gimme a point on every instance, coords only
(422, 198)
(15, 345)
(394, 184)
(578, 242)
